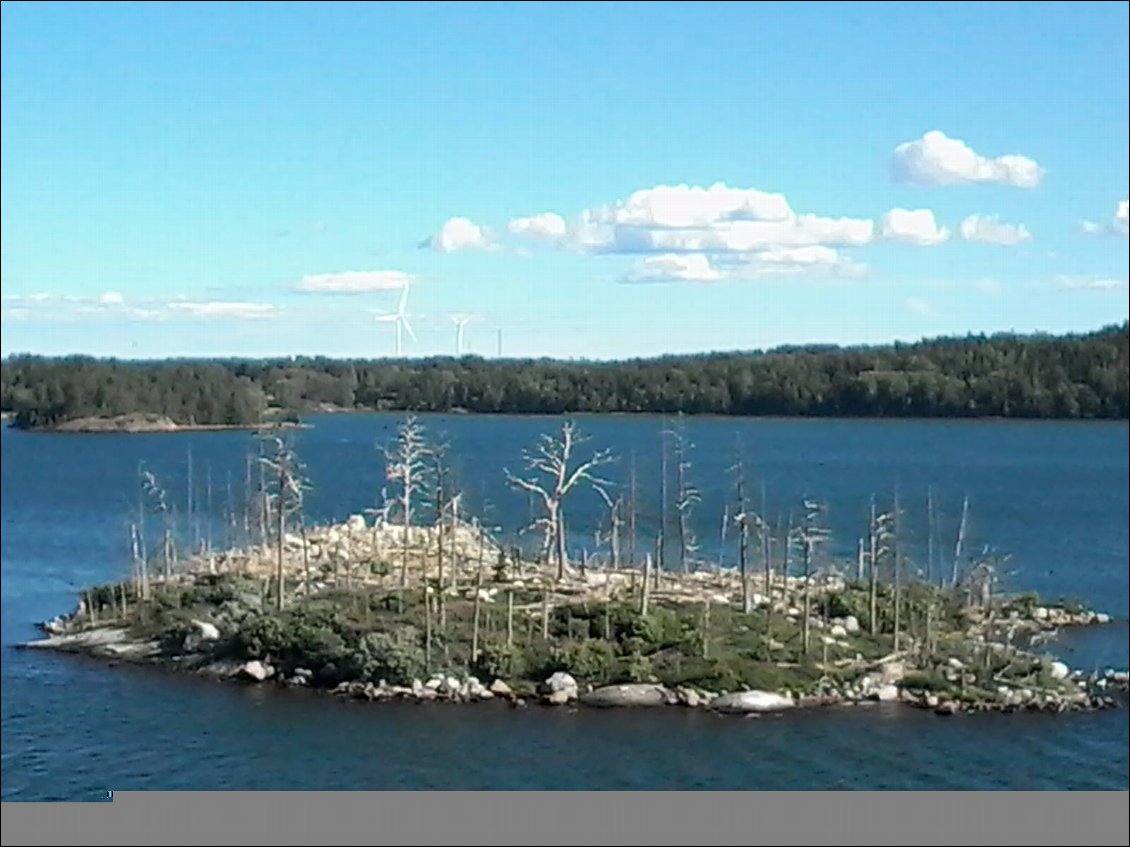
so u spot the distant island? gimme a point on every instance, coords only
(1083, 376)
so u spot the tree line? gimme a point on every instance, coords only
(1005, 375)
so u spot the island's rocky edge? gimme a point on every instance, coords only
(945, 681)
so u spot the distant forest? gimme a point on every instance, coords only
(1011, 376)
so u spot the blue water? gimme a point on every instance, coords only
(1052, 495)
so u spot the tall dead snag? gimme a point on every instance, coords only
(812, 533)
(159, 503)
(551, 460)
(959, 547)
(881, 535)
(633, 510)
(743, 518)
(897, 556)
(406, 466)
(687, 496)
(615, 520)
(447, 510)
(286, 490)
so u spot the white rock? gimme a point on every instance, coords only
(1058, 670)
(851, 623)
(562, 682)
(838, 631)
(750, 702)
(557, 698)
(206, 631)
(432, 684)
(887, 693)
(1102, 617)
(356, 523)
(257, 670)
(955, 663)
(500, 688)
(1040, 613)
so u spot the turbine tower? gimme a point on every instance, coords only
(399, 320)
(460, 322)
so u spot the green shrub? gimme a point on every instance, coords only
(591, 660)
(397, 657)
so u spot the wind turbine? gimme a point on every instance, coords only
(399, 320)
(460, 322)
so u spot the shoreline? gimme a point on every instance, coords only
(348, 623)
(149, 424)
(1102, 690)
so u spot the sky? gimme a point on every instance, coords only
(576, 180)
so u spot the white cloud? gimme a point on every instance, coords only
(111, 298)
(672, 267)
(459, 234)
(17, 314)
(690, 207)
(1070, 283)
(226, 309)
(989, 230)
(353, 282)
(913, 227)
(146, 314)
(40, 297)
(547, 225)
(988, 286)
(935, 159)
(1118, 225)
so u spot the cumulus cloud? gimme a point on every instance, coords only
(912, 227)
(353, 282)
(111, 298)
(1118, 225)
(459, 234)
(690, 207)
(226, 309)
(989, 230)
(674, 267)
(547, 225)
(935, 159)
(776, 262)
(146, 314)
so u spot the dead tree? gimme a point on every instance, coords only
(288, 496)
(159, 503)
(406, 467)
(552, 459)
(812, 533)
(743, 518)
(615, 521)
(687, 497)
(959, 547)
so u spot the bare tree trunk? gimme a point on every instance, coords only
(807, 620)
(281, 529)
(305, 553)
(645, 595)
(873, 562)
(930, 535)
(478, 601)
(960, 546)
(661, 544)
(544, 611)
(427, 625)
(897, 541)
(190, 496)
(632, 510)
(562, 556)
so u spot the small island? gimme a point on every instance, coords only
(408, 603)
(138, 422)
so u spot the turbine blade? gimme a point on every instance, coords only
(404, 323)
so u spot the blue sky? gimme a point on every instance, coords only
(592, 180)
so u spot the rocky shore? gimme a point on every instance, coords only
(139, 422)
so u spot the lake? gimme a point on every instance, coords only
(1053, 496)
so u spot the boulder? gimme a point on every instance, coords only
(749, 702)
(1102, 617)
(202, 633)
(886, 693)
(500, 689)
(356, 523)
(1058, 670)
(256, 671)
(561, 682)
(557, 698)
(851, 624)
(635, 694)
(945, 709)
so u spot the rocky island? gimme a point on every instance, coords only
(473, 623)
(424, 604)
